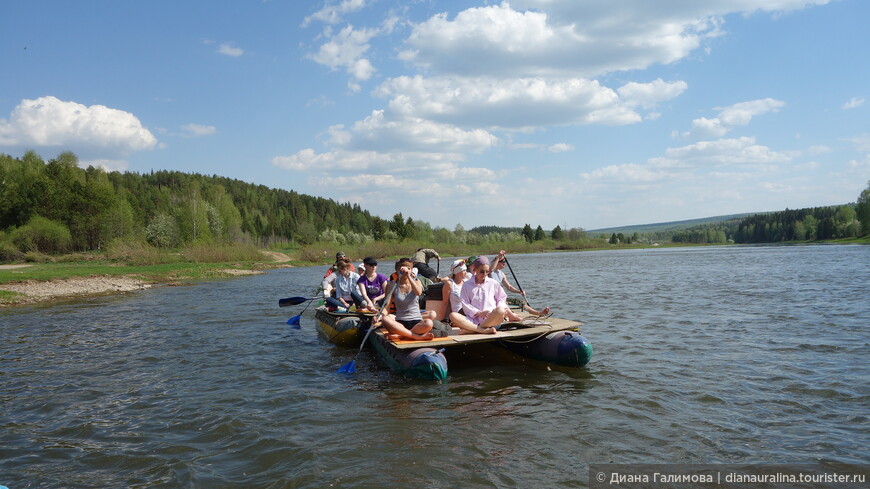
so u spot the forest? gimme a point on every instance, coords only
(57, 206)
(810, 224)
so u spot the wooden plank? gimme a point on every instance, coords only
(546, 326)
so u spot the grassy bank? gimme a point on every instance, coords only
(212, 261)
(144, 262)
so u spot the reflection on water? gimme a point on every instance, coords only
(702, 355)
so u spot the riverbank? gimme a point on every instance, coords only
(85, 275)
(22, 284)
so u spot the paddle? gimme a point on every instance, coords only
(350, 367)
(294, 320)
(292, 301)
(515, 280)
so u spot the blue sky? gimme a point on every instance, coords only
(575, 113)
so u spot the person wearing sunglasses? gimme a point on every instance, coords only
(371, 283)
(406, 321)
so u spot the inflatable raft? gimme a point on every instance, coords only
(342, 329)
(551, 340)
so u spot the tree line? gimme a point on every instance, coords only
(808, 224)
(56, 206)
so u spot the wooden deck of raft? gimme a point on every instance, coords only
(509, 331)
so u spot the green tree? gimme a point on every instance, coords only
(811, 225)
(43, 235)
(410, 230)
(539, 233)
(162, 231)
(846, 222)
(862, 210)
(397, 225)
(379, 228)
(528, 234)
(557, 234)
(441, 235)
(576, 234)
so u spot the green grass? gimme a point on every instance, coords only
(202, 262)
(7, 296)
(161, 272)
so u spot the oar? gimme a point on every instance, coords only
(515, 280)
(292, 301)
(350, 367)
(294, 320)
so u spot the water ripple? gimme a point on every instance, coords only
(701, 355)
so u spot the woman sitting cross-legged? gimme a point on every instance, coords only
(407, 322)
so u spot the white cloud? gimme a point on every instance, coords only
(689, 161)
(107, 165)
(739, 114)
(96, 129)
(516, 103)
(566, 37)
(231, 50)
(861, 165)
(332, 14)
(629, 173)
(742, 113)
(722, 152)
(854, 103)
(309, 161)
(647, 95)
(560, 148)
(498, 40)
(381, 132)
(819, 149)
(345, 50)
(489, 75)
(198, 130)
(861, 141)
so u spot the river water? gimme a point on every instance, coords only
(702, 355)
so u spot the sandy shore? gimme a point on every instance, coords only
(38, 291)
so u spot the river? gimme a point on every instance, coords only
(702, 355)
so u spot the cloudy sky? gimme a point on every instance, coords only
(578, 113)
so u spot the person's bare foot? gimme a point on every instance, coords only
(486, 330)
(423, 337)
(544, 311)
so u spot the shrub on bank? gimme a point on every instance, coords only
(8, 252)
(41, 235)
(219, 253)
(136, 252)
(37, 257)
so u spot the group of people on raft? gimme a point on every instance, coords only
(475, 288)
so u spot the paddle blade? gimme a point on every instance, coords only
(291, 301)
(348, 368)
(294, 321)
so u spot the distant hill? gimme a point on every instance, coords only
(670, 226)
